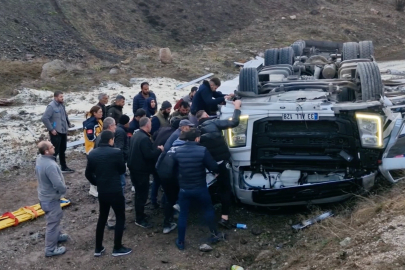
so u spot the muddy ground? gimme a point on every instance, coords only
(22, 246)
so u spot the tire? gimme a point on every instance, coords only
(249, 80)
(370, 81)
(366, 49)
(286, 56)
(297, 48)
(350, 51)
(271, 57)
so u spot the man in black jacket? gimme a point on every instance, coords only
(213, 140)
(102, 101)
(142, 157)
(121, 139)
(191, 160)
(115, 110)
(105, 164)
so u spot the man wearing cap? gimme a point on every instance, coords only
(161, 118)
(134, 124)
(184, 126)
(115, 110)
(51, 187)
(105, 165)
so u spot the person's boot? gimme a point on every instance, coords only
(67, 170)
(93, 191)
(99, 251)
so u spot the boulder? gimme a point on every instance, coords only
(52, 69)
(165, 56)
(114, 71)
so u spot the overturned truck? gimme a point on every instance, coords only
(315, 127)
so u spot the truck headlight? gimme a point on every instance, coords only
(237, 135)
(370, 128)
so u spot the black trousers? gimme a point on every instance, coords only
(224, 185)
(140, 181)
(171, 189)
(59, 141)
(117, 202)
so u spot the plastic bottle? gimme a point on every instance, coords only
(241, 226)
(236, 267)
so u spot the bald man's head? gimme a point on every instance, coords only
(46, 148)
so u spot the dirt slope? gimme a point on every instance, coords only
(110, 29)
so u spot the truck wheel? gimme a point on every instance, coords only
(366, 49)
(286, 56)
(350, 50)
(249, 80)
(271, 57)
(297, 48)
(369, 76)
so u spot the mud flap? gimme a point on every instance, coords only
(393, 159)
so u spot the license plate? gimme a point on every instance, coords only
(300, 116)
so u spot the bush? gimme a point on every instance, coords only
(399, 5)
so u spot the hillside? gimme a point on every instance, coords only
(112, 29)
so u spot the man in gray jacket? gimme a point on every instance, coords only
(51, 187)
(57, 122)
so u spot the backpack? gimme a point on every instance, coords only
(165, 167)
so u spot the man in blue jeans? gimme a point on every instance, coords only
(191, 160)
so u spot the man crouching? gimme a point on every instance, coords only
(51, 187)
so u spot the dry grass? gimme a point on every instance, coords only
(319, 245)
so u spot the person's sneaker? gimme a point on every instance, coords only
(67, 170)
(99, 251)
(179, 245)
(110, 228)
(218, 237)
(143, 224)
(169, 228)
(93, 191)
(225, 223)
(63, 238)
(121, 251)
(176, 207)
(57, 251)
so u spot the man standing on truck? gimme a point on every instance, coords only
(57, 123)
(213, 140)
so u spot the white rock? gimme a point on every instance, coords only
(53, 68)
(165, 56)
(345, 241)
(293, 17)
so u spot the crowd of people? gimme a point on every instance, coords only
(176, 149)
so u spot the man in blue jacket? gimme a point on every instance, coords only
(140, 98)
(191, 160)
(207, 98)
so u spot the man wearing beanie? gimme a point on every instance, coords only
(161, 118)
(105, 165)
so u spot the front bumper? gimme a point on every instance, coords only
(321, 193)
